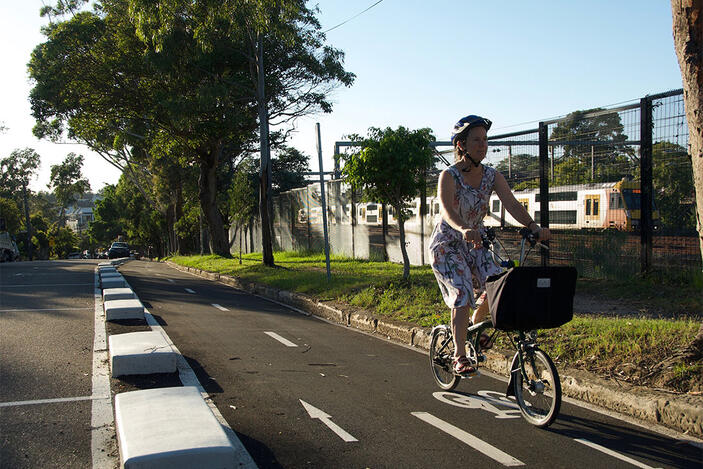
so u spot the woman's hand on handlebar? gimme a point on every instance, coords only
(471, 236)
(544, 234)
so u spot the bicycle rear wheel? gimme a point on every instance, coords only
(441, 355)
(539, 395)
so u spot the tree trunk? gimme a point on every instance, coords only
(688, 42)
(265, 171)
(403, 248)
(208, 202)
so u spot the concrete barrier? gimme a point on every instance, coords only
(123, 293)
(123, 309)
(141, 353)
(170, 428)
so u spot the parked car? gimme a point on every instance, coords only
(118, 250)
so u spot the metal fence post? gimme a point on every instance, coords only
(646, 195)
(421, 216)
(544, 182)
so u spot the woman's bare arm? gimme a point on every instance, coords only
(515, 208)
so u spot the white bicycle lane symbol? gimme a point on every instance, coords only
(485, 400)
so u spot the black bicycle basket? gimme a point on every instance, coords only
(527, 298)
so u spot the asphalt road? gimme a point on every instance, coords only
(301, 392)
(298, 391)
(47, 312)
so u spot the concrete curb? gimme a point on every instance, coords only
(682, 413)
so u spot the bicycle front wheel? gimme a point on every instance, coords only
(441, 355)
(537, 388)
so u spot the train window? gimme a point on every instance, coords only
(525, 203)
(436, 209)
(496, 206)
(615, 201)
(559, 217)
(362, 212)
(371, 207)
(560, 196)
(592, 206)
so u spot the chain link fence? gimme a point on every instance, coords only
(597, 169)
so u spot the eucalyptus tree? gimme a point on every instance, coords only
(16, 171)
(180, 75)
(583, 133)
(67, 182)
(391, 168)
(688, 37)
(289, 69)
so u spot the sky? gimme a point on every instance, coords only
(421, 63)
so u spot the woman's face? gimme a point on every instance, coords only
(476, 143)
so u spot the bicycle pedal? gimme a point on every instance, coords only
(470, 375)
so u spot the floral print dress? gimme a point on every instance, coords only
(461, 271)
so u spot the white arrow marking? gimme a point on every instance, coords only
(316, 413)
(282, 340)
(221, 308)
(612, 453)
(189, 290)
(476, 443)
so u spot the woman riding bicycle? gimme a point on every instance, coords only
(459, 261)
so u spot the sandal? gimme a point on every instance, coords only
(486, 341)
(462, 366)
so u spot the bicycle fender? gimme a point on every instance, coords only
(514, 369)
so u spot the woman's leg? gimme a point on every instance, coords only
(460, 322)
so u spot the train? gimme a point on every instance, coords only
(607, 205)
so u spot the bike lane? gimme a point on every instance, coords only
(302, 392)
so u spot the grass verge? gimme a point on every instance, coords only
(626, 348)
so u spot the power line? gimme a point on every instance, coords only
(348, 20)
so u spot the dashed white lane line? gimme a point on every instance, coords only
(282, 340)
(476, 443)
(221, 308)
(190, 291)
(171, 280)
(612, 453)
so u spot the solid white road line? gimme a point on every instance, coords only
(221, 308)
(189, 290)
(41, 309)
(476, 443)
(52, 401)
(102, 421)
(48, 285)
(612, 453)
(282, 340)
